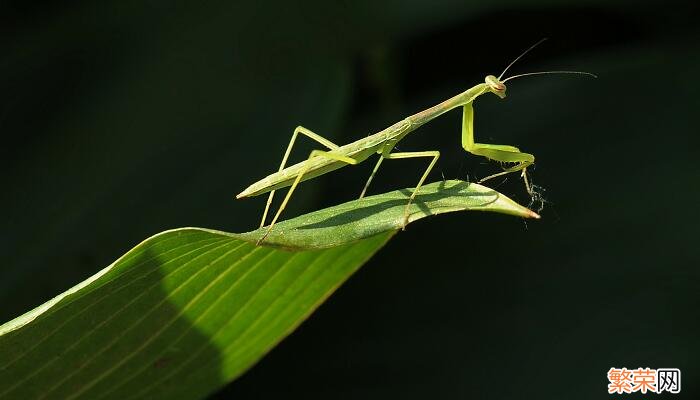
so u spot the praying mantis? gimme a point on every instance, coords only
(383, 142)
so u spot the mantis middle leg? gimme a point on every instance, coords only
(297, 131)
(497, 152)
(411, 154)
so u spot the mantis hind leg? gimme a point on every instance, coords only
(496, 152)
(306, 132)
(371, 176)
(314, 153)
(413, 154)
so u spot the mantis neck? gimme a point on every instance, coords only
(459, 100)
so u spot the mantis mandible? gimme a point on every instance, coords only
(321, 162)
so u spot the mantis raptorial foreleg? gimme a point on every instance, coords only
(297, 131)
(497, 152)
(314, 153)
(413, 154)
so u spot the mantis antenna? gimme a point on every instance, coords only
(520, 56)
(549, 72)
(536, 73)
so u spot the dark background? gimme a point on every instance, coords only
(121, 119)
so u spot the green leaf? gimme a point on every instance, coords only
(359, 219)
(190, 309)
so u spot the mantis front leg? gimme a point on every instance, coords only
(497, 152)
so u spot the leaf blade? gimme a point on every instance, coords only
(190, 309)
(366, 217)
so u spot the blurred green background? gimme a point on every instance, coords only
(121, 119)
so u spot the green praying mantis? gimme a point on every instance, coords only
(383, 142)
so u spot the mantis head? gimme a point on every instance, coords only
(496, 86)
